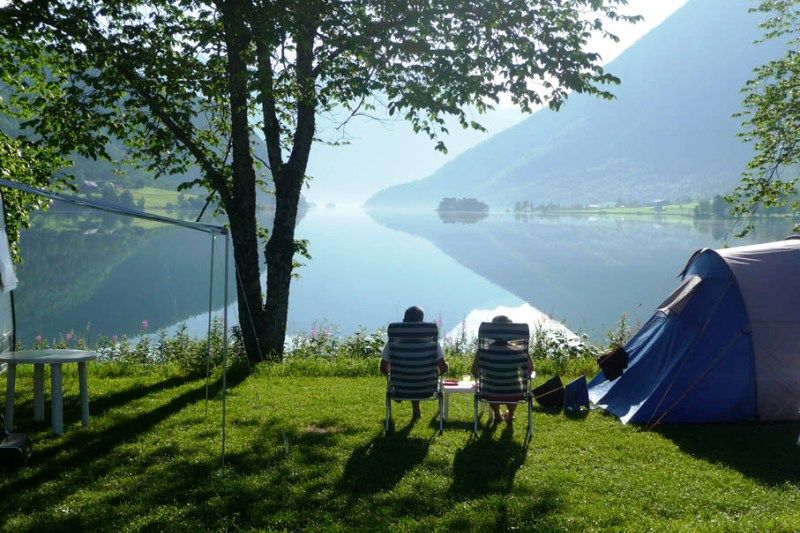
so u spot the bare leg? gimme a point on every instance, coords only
(510, 414)
(415, 412)
(495, 412)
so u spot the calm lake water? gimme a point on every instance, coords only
(103, 276)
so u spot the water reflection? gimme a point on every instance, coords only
(97, 276)
(585, 271)
(100, 274)
(526, 313)
(461, 217)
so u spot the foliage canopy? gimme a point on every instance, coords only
(191, 83)
(771, 119)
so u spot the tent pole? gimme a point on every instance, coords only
(208, 335)
(225, 348)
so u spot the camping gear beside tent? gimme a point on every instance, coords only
(613, 363)
(724, 347)
(550, 394)
(576, 395)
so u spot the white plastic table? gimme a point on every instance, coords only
(54, 358)
(462, 387)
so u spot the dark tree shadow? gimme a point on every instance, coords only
(488, 465)
(91, 448)
(116, 399)
(766, 453)
(381, 463)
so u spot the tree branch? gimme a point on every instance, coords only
(306, 102)
(266, 97)
(137, 84)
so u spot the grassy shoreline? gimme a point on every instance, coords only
(308, 453)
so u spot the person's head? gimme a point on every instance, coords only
(414, 314)
(501, 319)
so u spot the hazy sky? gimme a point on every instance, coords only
(381, 154)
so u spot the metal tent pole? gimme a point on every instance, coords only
(225, 348)
(208, 335)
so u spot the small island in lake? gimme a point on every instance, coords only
(464, 205)
(461, 210)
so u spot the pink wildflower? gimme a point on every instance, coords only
(38, 339)
(114, 338)
(70, 335)
(145, 323)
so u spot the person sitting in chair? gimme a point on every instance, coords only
(511, 407)
(412, 314)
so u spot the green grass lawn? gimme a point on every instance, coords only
(157, 199)
(309, 453)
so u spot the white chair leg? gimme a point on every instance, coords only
(57, 399)
(38, 393)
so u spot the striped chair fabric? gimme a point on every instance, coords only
(412, 355)
(503, 361)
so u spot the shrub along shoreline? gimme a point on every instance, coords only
(322, 352)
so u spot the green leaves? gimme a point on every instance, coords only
(771, 120)
(31, 164)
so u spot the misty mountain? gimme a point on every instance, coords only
(668, 134)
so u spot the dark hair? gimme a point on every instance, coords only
(414, 314)
(503, 319)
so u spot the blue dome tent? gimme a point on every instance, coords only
(724, 347)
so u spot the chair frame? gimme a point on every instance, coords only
(527, 395)
(437, 395)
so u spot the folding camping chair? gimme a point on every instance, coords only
(413, 372)
(504, 376)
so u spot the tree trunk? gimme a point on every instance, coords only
(240, 198)
(248, 283)
(279, 253)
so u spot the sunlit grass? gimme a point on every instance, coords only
(309, 452)
(157, 199)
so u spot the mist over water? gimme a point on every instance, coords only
(103, 277)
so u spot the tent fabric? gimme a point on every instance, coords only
(768, 278)
(725, 347)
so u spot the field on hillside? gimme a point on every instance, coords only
(310, 453)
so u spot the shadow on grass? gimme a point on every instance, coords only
(44, 482)
(116, 399)
(487, 465)
(382, 462)
(766, 453)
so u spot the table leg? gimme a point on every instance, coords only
(446, 405)
(11, 378)
(82, 377)
(38, 393)
(57, 398)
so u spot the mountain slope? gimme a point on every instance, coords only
(668, 134)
